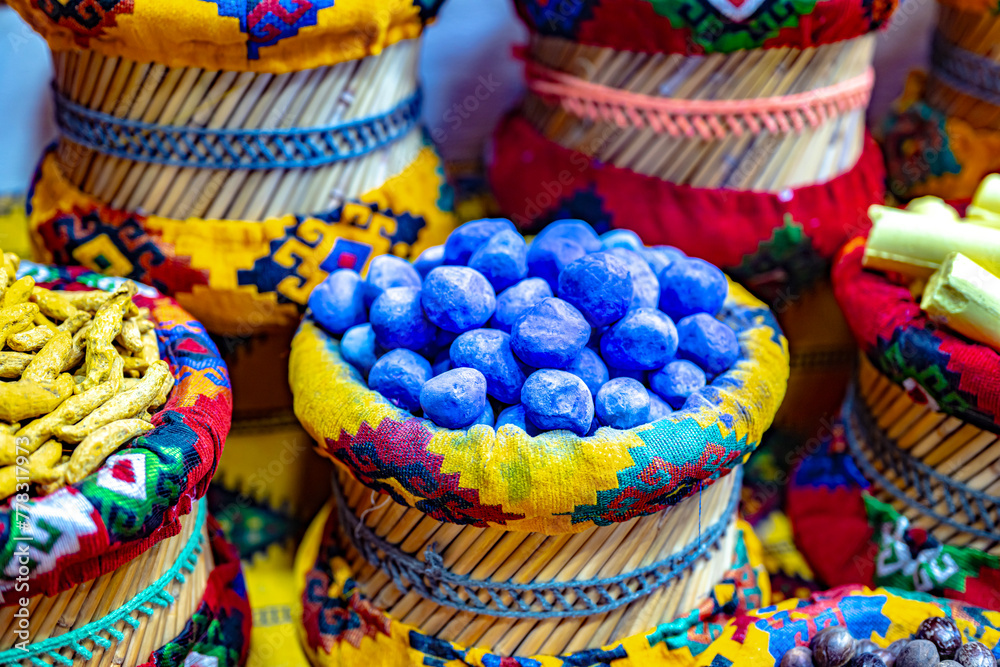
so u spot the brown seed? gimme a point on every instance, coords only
(943, 633)
(975, 654)
(832, 647)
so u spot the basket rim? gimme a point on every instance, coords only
(481, 476)
(903, 344)
(107, 519)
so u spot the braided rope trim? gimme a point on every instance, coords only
(932, 488)
(965, 71)
(708, 119)
(103, 630)
(279, 148)
(432, 581)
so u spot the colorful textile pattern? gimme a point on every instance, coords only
(556, 482)
(342, 627)
(876, 546)
(695, 27)
(218, 633)
(138, 496)
(274, 36)
(960, 375)
(240, 276)
(537, 181)
(929, 153)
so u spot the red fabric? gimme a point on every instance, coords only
(531, 175)
(636, 25)
(824, 517)
(885, 318)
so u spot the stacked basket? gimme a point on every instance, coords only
(944, 135)
(124, 566)
(232, 155)
(480, 543)
(733, 131)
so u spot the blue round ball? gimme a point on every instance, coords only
(676, 381)
(555, 400)
(514, 415)
(503, 260)
(469, 237)
(516, 299)
(358, 348)
(454, 399)
(692, 286)
(622, 403)
(600, 287)
(645, 286)
(548, 256)
(707, 342)
(550, 334)
(574, 230)
(457, 298)
(429, 260)
(485, 418)
(399, 376)
(489, 352)
(658, 408)
(660, 257)
(621, 238)
(644, 340)
(590, 368)
(398, 320)
(338, 303)
(387, 271)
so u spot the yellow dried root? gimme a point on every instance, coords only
(79, 351)
(130, 337)
(18, 292)
(24, 399)
(104, 328)
(149, 354)
(100, 444)
(15, 319)
(53, 305)
(40, 469)
(12, 364)
(88, 301)
(72, 410)
(30, 340)
(125, 405)
(50, 360)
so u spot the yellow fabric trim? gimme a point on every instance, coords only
(193, 33)
(222, 248)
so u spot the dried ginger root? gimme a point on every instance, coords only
(80, 373)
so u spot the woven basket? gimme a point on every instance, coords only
(923, 419)
(182, 598)
(236, 177)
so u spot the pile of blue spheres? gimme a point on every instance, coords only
(572, 331)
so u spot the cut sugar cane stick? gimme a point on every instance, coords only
(965, 297)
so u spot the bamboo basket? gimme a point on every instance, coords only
(125, 614)
(937, 470)
(225, 100)
(766, 161)
(511, 557)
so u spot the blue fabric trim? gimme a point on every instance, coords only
(965, 71)
(869, 444)
(431, 580)
(151, 595)
(278, 148)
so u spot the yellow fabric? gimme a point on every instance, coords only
(221, 249)
(14, 226)
(272, 588)
(545, 479)
(198, 33)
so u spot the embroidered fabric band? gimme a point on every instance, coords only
(431, 580)
(965, 71)
(132, 611)
(709, 119)
(277, 148)
(936, 495)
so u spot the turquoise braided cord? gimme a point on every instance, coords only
(156, 594)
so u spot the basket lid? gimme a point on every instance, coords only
(694, 27)
(136, 497)
(257, 35)
(555, 482)
(960, 375)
